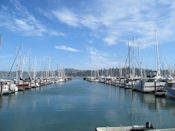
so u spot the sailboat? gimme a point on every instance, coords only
(128, 81)
(20, 83)
(34, 83)
(29, 79)
(132, 79)
(154, 84)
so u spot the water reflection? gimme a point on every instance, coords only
(81, 105)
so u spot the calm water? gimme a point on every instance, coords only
(81, 106)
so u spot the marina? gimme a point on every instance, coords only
(144, 81)
(87, 65)
(129, 95)
(83, 106)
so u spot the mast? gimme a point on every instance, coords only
(133, 66)
(157, 49)
(102, 72)
(64, 73)
(120, 69)
(17, 64)
(141, 73)
(111, 71)
(129, 55)
(98, 73)
(29, 66)
(21, 62)
(34, 68)
(48, 71)
(57, 71)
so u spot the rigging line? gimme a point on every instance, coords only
(14, 61)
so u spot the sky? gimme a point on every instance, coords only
(86, 34)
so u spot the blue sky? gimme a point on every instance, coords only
(87, 34)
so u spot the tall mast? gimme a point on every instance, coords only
(91, 72)
(158, 64)
(141, 73)
(120, 69)
(129, 55)
(23, 65)
(133, 66)
(64, 74)
(98, 73)
(102, 72)
(34, 68)
(48, 72)
(57, 71)
(111, 71)
(21, 62)
(17, 64)
(29, 66)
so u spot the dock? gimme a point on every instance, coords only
(130, 128)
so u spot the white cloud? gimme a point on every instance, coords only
(76, 20)
(44, 12)
(99, 59)
(54, 33)
(66, 48)
(19, 19)
(124, 17)
(103, 17)
(89, 21)
(110, 40)
(67, 17)
(23, 25)
(92, 52)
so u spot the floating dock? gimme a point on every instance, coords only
(131, 128)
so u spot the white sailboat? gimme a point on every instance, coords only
(129, 81)
(28, 80)
(152, 84)
(34, 83)
(132, 79)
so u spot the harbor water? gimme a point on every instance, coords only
(80, 105)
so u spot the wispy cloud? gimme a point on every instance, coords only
(23, 25)
(66, 48)
(19, 19)
(114, 21)
(44, 12)
(110, 40)
(67, 17)
(55, 33)
(99, 59)
(70, 18)
(125, 18)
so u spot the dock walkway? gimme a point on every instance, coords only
(129, 128)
